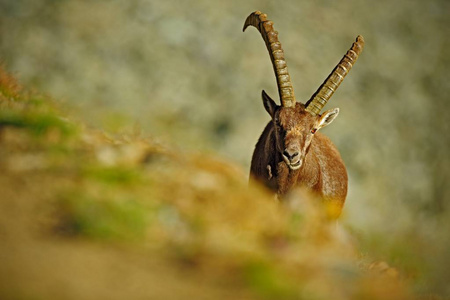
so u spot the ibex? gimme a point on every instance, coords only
(291, 152)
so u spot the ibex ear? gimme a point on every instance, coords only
(269, 104)
(327, 117)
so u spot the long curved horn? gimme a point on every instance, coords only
(326, 90)
(270, 36)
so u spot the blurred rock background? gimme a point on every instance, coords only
(185, 72)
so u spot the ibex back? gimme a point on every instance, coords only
(291, 152)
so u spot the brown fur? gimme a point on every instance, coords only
(322, 169)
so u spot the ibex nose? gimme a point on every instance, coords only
(292, 158)
(290, 154)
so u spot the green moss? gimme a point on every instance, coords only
(265, 280)
(36, 123)
(113, 175)
(7, 92)
(112, 219)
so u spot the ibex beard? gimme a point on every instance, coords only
(291, 152)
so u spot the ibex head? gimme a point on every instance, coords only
(295, 128)
(295, 123)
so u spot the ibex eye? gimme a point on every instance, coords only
(313, 130)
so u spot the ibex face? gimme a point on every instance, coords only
(294, 129)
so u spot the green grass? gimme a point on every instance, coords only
(104, 217)
(113, 175)
(267, 281)
(36, 123)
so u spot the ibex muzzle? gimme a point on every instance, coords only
(291, 152)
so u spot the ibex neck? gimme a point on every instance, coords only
(286, 178)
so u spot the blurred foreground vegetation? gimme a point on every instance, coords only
(89, 215)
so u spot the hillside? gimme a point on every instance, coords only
(89, 215)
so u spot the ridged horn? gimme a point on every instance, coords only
(326, 90)
(270, 36)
